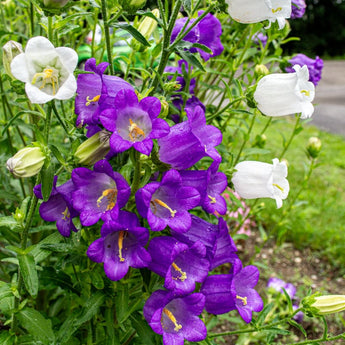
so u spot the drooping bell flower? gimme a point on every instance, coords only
(279, 284)
(281, 94)
(191, 103)
(46, 71)
(314, 66)
(180, 265)
(121, 246)
(58, 208)
(134, 123)
(96, 92)
(176, 318)
(298, 8)
(254, 11)
(207, 32)
(99, 193)
(179, 70)
(254, 179)
(166, 203)
(189, 141)
(259, 37)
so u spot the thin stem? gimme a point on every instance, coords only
(162, 11)
(319, 340)
(107, 35)
(287, 145)
(59, 118)
(225, 108)
(50, 29)
(137, 172)
(32, 18)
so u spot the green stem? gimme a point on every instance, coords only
(107, 35)
(32, 18)
(319, 340)
(50, 29)
(62, 123)
(137, 172)
(225, 108)
(287, 145)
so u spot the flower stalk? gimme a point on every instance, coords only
(107, 35)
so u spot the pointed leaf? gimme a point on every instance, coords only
(47, 175)
(134, 32)
(28, 270)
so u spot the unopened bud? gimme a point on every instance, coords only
(9, 51)
(164, 109)
(26, 162)
(55, 3)
(132, 6)
(93, 149)
(260, 141)
(261, 70)
(171, 86)
(314, 147)
(323, 305)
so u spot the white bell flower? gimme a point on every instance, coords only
(281, 94)
(254, 11)
(254, 180)
(46, 71)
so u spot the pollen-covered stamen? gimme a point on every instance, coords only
(111, 195)
(66, 214)
(163, 204)
(95, 99)
(212, 198)
(275, 10)
(178, 269)
(243, 299)
(305, 93)
(135, 132)
(122, 235)
(172, 318)
(50, 76)
(280, 188)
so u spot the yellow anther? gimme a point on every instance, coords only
(280, 188)
(89, 101)
(122, 235)
(243, 299)
(135, 131)
(275, 10)
(163, 204)
(66, 214)
(111, 195)
(178, 269)
(212, 198)
(305, 92)
(49, 75)
(172, 318)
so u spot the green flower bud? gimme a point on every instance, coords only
(55, 3)
(261, 70)
(93, 149)
(324, 305)
(260, 141)
(9, 51)
(132, 6)
(165, 109)
(314, 147)
(26, 162)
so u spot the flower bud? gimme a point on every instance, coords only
(314, 147)
(10, 50)
(324, 305)
(55, 3)
(93, 149)
(165, 109)
(132, 6)
(261, 70)
(26, 162)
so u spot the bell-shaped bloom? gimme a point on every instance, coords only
(121, 246)
(134, 123)
(254, 11)
(46, 71)
(298, 8)
(58, 208)
(281, 94)
(207, 32)
(189, 141)
(279, 284)
(99, 193)
(180, 265)
(314, 66)
(254, 179)
(176, 318)
(226, 292)
(179, 70)
(166, 203)
(96, 92)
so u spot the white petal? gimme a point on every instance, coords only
(307, 110)
(35, 95)
(248, 11)
(68, 57)
(38, 44)
(19, 68)
(68, 89)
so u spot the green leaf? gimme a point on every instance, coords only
(263, 314)
(121, 301)
(14, 118)
(5, 291)
(6, 338)
(202, 47)
(28, 270)
(57, 154)
(47, 176)
(39, 327)
(49, 278)
(10, 223)
(187, 5)
(134, 32)
(190, 58)
(298, 326)
(144, 331)
(40, 254)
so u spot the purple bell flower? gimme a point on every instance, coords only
(182, 64)
(99, 193)
(314, 66)
(191, 103)
(180, 265)
(121, 246)
(166, 203)
(176, 318)
(189, 141)
(260, 37)
(134, 123)
(206, 32)
(298, 8)
(95, 91)
(279, 284)
(58, 208)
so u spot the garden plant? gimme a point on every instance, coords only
(128, 153)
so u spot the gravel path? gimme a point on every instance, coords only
(329, 102)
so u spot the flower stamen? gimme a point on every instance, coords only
(305, 93)
(66, 214)
(243, 299)
(163, 204)
(135, 131)
(212, 198)
(178, 269)
(172, 318)
(275, 10)
(89, 101)
(280, 188)
(122, 235)
(49, 75)
(111, 195)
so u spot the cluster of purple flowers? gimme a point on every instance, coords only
(192, 248)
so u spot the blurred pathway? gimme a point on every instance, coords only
(329, 101)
